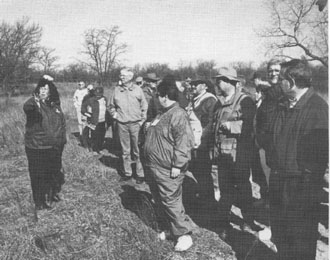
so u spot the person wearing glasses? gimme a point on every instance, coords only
(298, 160)
(233, 139)
(78, 97)
(167, 148)
(128, 106)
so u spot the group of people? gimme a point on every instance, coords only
(168, 128)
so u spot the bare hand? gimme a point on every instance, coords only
(175, 172)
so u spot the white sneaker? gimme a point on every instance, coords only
(184, 243)
(161, 236)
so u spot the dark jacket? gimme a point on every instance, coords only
(95, 109)
(169, 139)
(45, 125)
(266, 113)
(299, 137)
(204, 111)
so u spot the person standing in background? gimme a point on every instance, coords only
(128, 107)
(78, 97)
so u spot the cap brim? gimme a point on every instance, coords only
(226, 76)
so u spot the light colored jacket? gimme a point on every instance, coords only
(128, 104)
(79, 96)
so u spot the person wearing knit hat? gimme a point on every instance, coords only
(45, 138)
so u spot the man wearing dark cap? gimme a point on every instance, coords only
(298, 158)
(233, 128)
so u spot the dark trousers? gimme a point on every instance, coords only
(258, 174)
(294, 214)
(45, 173)
(201, 167)
(86, 137)
(235, 188)
(97, 138)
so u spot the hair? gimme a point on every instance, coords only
(298, 71)
(208, 83)
(168, 87)
(274, 61)
(54, 96)
(98, 91)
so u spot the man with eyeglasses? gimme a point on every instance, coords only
(298, 159)
(128, 107)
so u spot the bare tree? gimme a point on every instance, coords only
(47, 59)
(300, 25)
(103, 50)
(19, 45)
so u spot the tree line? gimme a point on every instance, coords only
(293, 24)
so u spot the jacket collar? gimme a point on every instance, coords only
(301, 102)
(129, 86)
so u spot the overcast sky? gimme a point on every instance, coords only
(165, 31)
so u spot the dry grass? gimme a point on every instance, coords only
(90, 222)
(97, 217)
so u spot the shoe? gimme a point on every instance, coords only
(161, 236)
(125, 178)
(184, 243)
(139, 180)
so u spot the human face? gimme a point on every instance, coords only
(162, 100)
(139, 83)
(289, 88)
(44, 92)
(126, 76)
(274, 73)
(199, 89)
(223, 88)
(81, 85)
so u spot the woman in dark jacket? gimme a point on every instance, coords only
(45, 137)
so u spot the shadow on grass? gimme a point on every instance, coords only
(203, 210)
(140, 202)
(112, 162)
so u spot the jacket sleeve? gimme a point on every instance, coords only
(32, 111)
(183, 139)
(144, 106)
(111, 104)
(312, 146)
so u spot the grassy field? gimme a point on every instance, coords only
(98, 217)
